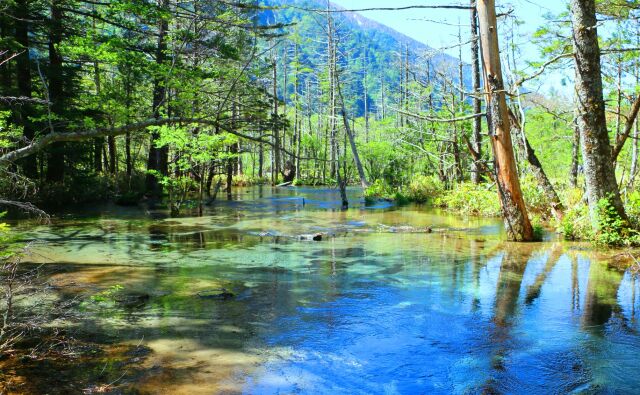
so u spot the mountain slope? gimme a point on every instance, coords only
(370, 49)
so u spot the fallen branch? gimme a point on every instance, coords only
(26, 207)
(21, 99)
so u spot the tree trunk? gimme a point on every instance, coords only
(366, 96)
(634, 147)
(6, 28)
(230, 167)
(634, 155)
(98, 144)
(382, 98)
(476, 135)
(55, 159)
(261, 161)
(23, 73)
(113, 157)
(596, 152)
(296, 125)
(514, 211)
(158, 159)
(331, 53)
(275, 172)
(575, 151)
(352, 142)
(127, 152)
(210, 175)
(232, 162)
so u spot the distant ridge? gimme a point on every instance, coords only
(366, 42)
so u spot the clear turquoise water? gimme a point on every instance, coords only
(377, 306)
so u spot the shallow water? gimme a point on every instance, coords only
(378, 306)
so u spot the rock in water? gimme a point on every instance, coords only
(311, 237)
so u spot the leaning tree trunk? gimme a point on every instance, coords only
(599, 172)
(514, 211)
(352, 142)
(557, 209)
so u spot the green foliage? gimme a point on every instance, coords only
(307, 181)
(612, 230)
(242, 180)
(424, 189)
(534, 196)
(379, 189)
(9, 132)
(632, 208)
(538, 232)
(8, 245)
(471, 199)
(551, 137)
(575, 224)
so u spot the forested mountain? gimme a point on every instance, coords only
(373, 54)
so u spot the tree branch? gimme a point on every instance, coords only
(542, 68)
(51, 138)
(631, 119)
(442, 120)
(411, 7)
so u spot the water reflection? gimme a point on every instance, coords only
(367, 310)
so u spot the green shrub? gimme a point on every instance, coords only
(378, 190)
(471, 199)
(400, 199)
(612, 229)
(534, 196)
(423, 189)
(538, 232)
(307, 181)
(632, 208)
(242, 180)
(576, 224)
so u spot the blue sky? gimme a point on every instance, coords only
(438, 27)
